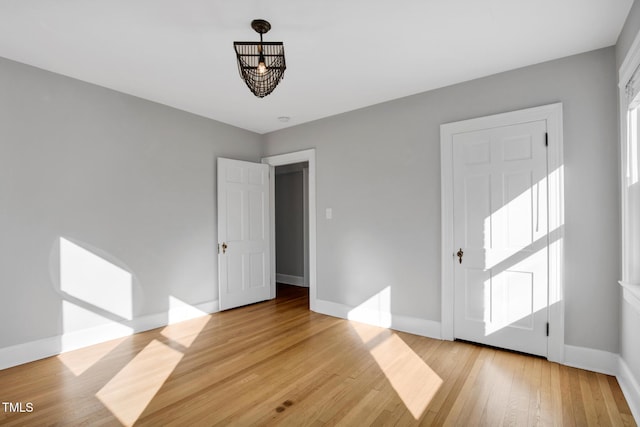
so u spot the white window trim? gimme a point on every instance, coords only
(631, 63)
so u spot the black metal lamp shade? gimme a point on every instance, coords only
(261, 64)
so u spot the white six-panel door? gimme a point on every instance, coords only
(501, 229)
(243, 233)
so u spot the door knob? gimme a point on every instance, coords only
(224, 247)
(459, 255)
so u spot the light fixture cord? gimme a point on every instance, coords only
(261, 57)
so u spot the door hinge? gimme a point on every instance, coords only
(546, 139)
(547, 328)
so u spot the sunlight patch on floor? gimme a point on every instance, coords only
(132, 389)
(80, 360)
(185, 322)
(412, 379)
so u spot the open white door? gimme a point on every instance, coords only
(243, 233)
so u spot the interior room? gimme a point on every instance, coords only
(390, 213)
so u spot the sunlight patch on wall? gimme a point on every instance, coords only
(374, 311)
(78, 320)
(185, 322)
(132, 389)
(83, 327)
(412, 379)
(94, 280)
(180, 311)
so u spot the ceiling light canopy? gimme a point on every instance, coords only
(261, 64)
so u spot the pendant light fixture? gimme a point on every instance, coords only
(261, 64)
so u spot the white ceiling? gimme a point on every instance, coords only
(341, 54)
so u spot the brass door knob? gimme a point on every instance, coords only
(224, 247)
(459, 255)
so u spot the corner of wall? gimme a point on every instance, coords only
(590, 359)
(607, 363)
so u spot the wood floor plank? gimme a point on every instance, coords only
(548, 396)
(609, 401)
(568, 396)
(480, 390)
(501, 372)
(277, 363)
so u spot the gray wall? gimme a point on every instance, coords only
(379, 169)
(129, 180)
(630, 317)
(289, 211)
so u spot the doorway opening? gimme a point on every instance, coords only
(292, 224)
(293, 205)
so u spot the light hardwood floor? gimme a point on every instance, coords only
(277, 363)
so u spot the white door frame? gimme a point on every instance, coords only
(552, 113)
(287, 159)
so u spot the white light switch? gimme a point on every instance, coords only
(328, 213)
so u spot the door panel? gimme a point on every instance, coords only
(500, 224)
(243, 234)
(477, 193)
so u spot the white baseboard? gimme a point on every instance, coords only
(412, 325)
(29, 352)
(630, 386)
(52, 346)
(610, 364)
(590, 359)
(288, 279)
